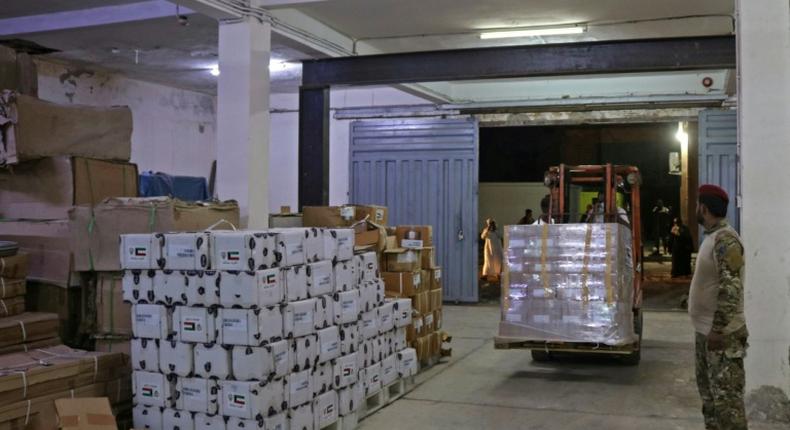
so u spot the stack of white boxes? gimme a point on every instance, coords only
(277, 329)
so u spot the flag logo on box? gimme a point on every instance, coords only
(191, 326)
(237, 400)
(139, 251)
(232, 255)
(150, 391)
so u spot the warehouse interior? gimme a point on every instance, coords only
(183, 129)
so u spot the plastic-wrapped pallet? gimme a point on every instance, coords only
(568, 283)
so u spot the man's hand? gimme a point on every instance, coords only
(715, 341)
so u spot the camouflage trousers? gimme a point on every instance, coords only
(721, 380)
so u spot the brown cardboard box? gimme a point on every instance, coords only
(113, 316)
(435, 299)
(420, 302)
(416, 328)
(428, 257)
(423, 346)
(437, 319)
(18, 72)
(48, 245)
(436, 344)
(94, 234)
(402, 260)
(376, 214)
(368, 234)
(10, 287)
(428, 323)
(402, 284)
(86, 131)
(425, 278)
(47, 188)
(414, 236)
(15, 266)
(285, 220)
(392, 242)
(435, 276)
(87, 413)
(328, 216)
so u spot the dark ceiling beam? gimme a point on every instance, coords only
(619, 56)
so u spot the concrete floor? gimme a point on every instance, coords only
(482, 388)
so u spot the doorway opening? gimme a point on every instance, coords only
(513, 161)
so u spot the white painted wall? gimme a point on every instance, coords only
(505, 202)
(285, 139)
(174, 129)
(764, 130)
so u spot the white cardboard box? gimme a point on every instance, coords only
(373, 379)
(147, 417)
(349, 338)
(399, 342)
(251, 399)
(252, 362)
(177, 420)
(145, 354)
(152, 389)
(344, 276)
(386, 317)
(324, 311)
(299, 318)
(345, 370)
(320, 278)
(295, 283)
(300, 388)
(389, 369)
(252, 289)
(209, 422)
(250, 327)
(197, 395)
(402, 312)
(170, 287)
(202, 288)
(345, 243)
(329, 241)
(176, 357)
(195, 324)
(350, 398)
(313, 244)
(274, 422)
(377, 343)
(369, 324)
(365, 354)
(151, 321)
(367, 296)
(301, 417)
(368, 264)
(186, 251)
(138, 286)
(304, 352)
(139, 251)
(212, 361)
(325, 409)
(290, 246)
(407, 362)
(281, 355)
(328, 344)
(347, 306)
(243, 250)
(322, 378)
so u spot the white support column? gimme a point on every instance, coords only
(764, 134)
(243, 118)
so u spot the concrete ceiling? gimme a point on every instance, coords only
(159, 49)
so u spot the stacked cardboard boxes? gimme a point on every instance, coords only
(410, 271)
(13, 274)
(258, 329)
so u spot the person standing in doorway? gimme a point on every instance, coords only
(682, 246)
(661, 226)
(527, 219)
(716, 310)
(492, 252)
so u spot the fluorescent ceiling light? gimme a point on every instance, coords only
(527, 32)
(214, 70)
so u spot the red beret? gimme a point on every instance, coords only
(715, 191)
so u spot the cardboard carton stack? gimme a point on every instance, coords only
(410, 271)
(13, 284)
(258, 329)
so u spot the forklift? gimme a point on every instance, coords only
(569, 187)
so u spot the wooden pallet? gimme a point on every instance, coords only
(510, 343)
(399, 388)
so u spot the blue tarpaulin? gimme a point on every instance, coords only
(187, 188)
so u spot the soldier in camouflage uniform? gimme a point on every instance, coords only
(716, 310)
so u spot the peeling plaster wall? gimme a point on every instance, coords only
(174, 129)
(764, 130)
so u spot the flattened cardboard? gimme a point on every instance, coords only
(86, 413)
(15, 266)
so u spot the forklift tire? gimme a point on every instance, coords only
(635, 357)
(540, 356)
